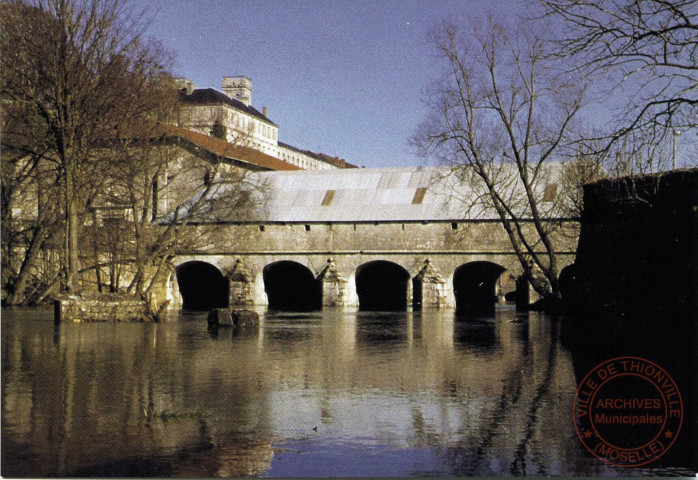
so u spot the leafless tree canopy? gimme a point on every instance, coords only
(502, 115)
(87, 154)
(74, 73)
(645, 52)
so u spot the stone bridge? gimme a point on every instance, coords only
(376, 239)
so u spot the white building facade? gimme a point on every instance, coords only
(229, 115)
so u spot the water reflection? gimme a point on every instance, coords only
(333, 393)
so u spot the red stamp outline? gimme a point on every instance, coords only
(666, 411)
(584, 425)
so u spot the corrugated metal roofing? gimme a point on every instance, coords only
(382, 194)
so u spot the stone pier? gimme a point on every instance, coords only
(333, 286)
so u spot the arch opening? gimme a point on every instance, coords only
(478, 286)
(202, 286)
(382, 286)
(291, 287)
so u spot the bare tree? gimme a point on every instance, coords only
(87, 148)
(644, 55)
(30, 223)
(75, 68)
(502, 116)
(576, 173)
(168, 202)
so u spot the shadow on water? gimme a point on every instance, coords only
(132, 467)
(475, 334)
(408, 393)
(667, 340)
(376, 328)
(477, 328)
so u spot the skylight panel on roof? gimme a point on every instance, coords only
(384, 181)
(419, 179)
(550, 192)
(327, 200)
(419, 196)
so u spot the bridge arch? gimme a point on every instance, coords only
(382, 286)
(291, 286)
(478, 285)
(202, 286)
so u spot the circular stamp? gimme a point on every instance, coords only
(628, 411)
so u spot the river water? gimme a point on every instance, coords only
(338, 393)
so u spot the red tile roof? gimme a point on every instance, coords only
(230, 151)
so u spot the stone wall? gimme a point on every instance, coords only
(446, 246)
(638, 246)
(99, 308)
(474, 237)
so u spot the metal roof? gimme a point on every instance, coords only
(389, 194)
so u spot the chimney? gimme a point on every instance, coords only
(239, 88)
(264, 111)
(185, 85)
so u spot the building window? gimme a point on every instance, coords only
(307, 228)
(454, 226)
(261, 228)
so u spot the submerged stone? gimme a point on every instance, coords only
(245, 318)
(220, 316)
(107, 307)
(237, 317)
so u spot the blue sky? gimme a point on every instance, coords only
(341, 77)
(338, 76)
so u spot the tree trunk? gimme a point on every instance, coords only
(71, 232)
(95, 251)
(32, 254)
